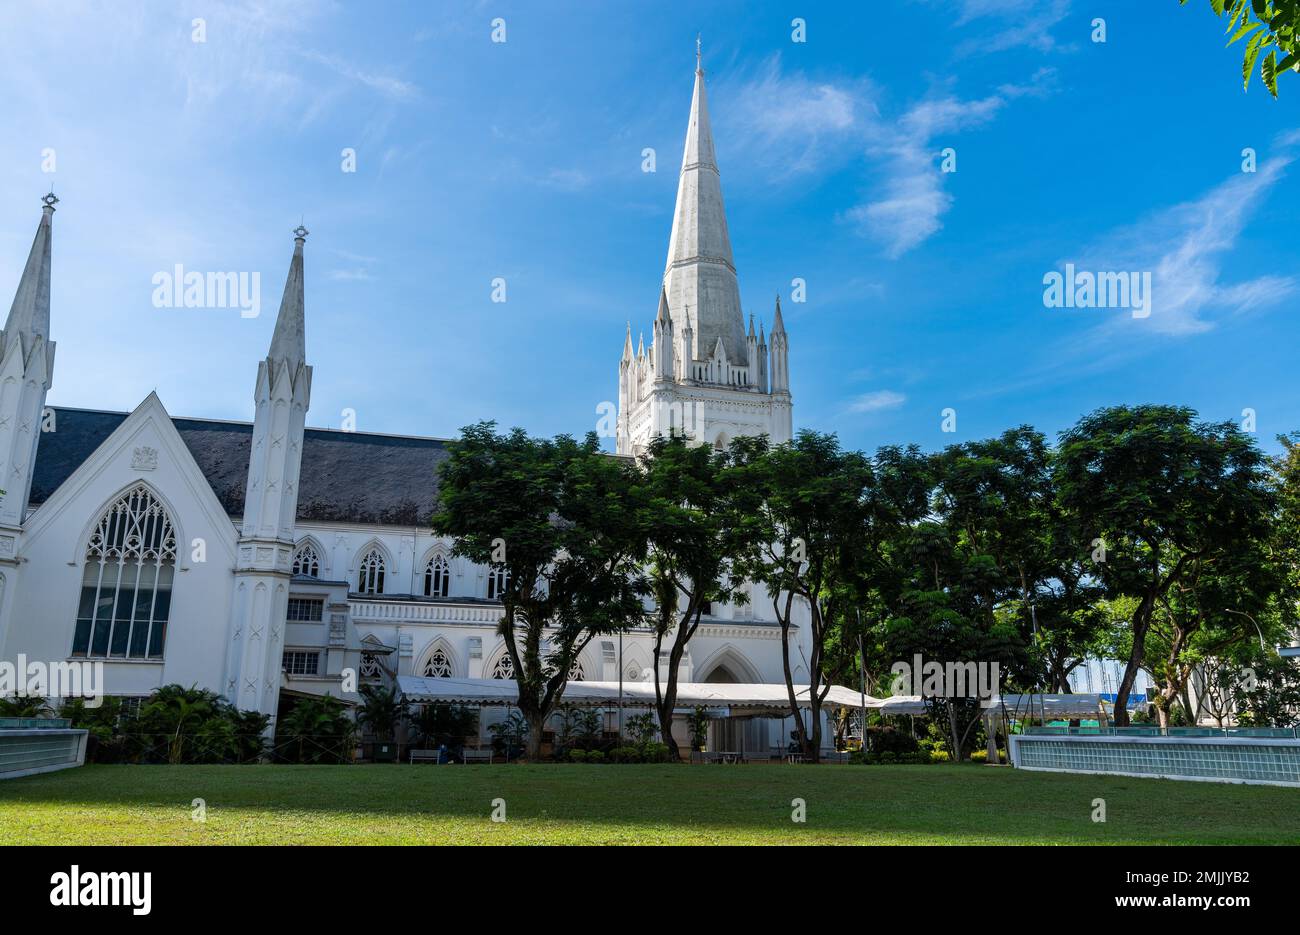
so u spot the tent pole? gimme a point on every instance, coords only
(862, 675)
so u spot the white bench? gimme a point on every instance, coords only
(421, 755)
(470, 755)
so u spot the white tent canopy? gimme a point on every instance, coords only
(420, 689)
(770, 697)
(1017, 706)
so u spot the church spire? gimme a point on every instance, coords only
(26, 372)
(289, 342)
(700, 273)
(29, 316)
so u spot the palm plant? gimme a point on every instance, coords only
(319, 729)
(24, 706)
(380, 711)
(174, 715)
(436, 724)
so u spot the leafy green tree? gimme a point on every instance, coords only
(1271, 26)
(318, 729)
(1159, 494)
(562, 520)
(1284, 547)
(1220, 608)
(875, 574)
(24, 706)
(802, 509)
(1270, 696)
(694, 533)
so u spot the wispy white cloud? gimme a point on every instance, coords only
(1020, 24)
(1189, 249)
(1185, 248)
(912, 199)
(566, 180)
(793, 120)
(384, 84)
(877, 401)
(356, 274)
(802, 124)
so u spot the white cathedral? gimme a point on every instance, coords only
(264, 560)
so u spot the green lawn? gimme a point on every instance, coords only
(573, 804)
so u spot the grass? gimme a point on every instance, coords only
(578, 804)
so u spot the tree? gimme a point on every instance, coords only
(1270, 697)
(875, 574)
(1272, 25)
(1158, 494)
(318, 729)
(560, 519)
(1222, 606)
(437, 724)
(694, 531)
(24, 706)
(381, 711)
(801, 504)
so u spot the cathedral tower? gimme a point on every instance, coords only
(266, 539)
(707, 377)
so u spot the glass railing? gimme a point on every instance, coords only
(34, 723)
(1153, 731)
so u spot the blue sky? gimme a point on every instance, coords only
(522, 160)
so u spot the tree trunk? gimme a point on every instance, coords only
(536, 725)
(1141, 622)
(800, 733)
(668, 698)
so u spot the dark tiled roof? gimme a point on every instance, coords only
(349, 477)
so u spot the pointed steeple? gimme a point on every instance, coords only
(26, 373)
(780, 356)
(627, 343)
(29, 316)
(640, 346)
(289, 342)
(751, 324)
(663, 313)
(700, 274)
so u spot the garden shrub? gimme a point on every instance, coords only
(655, 752)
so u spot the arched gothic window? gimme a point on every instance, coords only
(306, 561)
(370, 667)
(437, 577)
(370, 576)
(504, 668)
(439, 666)
(496, 583)
(126, 588)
